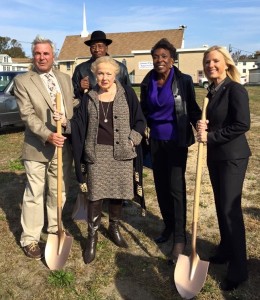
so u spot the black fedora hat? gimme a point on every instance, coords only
(98, 36)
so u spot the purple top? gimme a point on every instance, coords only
(161, 109)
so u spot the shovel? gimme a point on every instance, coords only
(190, 272)
(58, 245)
(80, 212)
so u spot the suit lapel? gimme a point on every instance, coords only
(215, 99)
(42, 89)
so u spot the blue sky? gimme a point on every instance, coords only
(209, 22)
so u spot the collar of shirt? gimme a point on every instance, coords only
(212, 89)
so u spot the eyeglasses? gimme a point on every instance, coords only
(97, 46)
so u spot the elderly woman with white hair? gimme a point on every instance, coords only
(106, 130)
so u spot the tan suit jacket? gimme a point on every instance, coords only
(36, 111)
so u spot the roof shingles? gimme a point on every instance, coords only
(123, 43)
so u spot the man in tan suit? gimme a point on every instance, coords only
(35, 94)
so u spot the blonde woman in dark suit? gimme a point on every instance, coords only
(36, 104)
(228, 119)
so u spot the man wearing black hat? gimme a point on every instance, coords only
(83, 79)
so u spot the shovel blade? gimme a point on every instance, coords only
(80, 208)
(187, 286)
(57, 250)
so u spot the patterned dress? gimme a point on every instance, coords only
(107, 177)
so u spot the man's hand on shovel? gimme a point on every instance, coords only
(56, 139)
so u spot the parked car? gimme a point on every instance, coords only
(9, 112)
(203, 81)
(6, 77)
(243, 80)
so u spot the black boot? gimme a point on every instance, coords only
(115, 211)
(177, 249)
(165, 235)
(94, 218)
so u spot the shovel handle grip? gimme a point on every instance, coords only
(204, 108)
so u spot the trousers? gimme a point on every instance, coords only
(227, 179)
(169, 167)
(41, 183)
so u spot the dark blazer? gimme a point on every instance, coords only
(229, 118)
(186, 108)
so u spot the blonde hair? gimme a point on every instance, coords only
(105, 59)
(232, 71)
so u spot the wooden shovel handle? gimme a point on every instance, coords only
(199, 168)
(59, 167)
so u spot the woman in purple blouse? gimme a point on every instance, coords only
(169, 105)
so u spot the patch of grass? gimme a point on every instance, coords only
(208, 287)
(16, 165)
(61, 278)
(2, 217)
(93, 293)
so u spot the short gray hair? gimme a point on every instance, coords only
(41, 40)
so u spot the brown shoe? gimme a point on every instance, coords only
(33, 251)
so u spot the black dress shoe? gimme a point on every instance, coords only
(228, 285)
(164, 237)
(161, 239)
(177, 249)
(218, 259)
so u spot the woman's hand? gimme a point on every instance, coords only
(202, 133)
(59, 116)
(202, 125)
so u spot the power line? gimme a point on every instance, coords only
(231, 47)
(24, 42)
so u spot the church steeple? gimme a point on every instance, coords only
(84, 32)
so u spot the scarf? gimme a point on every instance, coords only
(161, 108)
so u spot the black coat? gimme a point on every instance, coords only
(229, 118)
(79, 124)
(186, 108)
